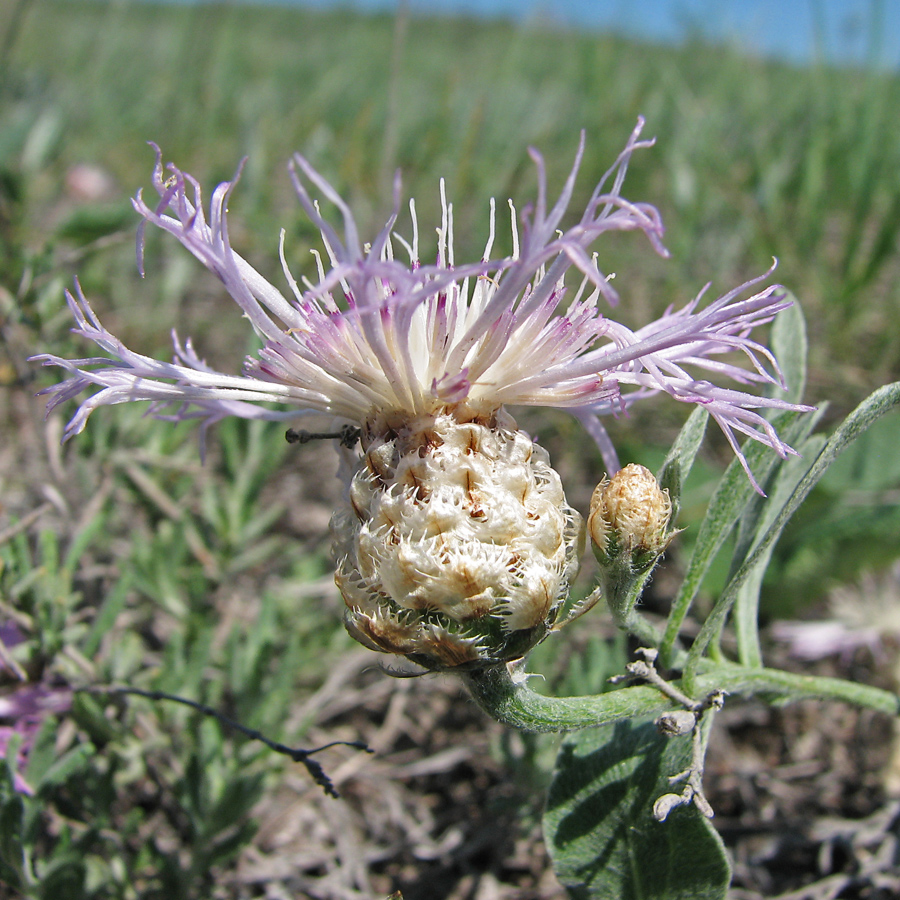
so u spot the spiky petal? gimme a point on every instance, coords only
(377, 337)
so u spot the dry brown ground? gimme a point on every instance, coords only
(798, 793)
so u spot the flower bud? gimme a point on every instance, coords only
(629, 526)
(630, 514)
(457, 544)
(665, 804)
(678, 722)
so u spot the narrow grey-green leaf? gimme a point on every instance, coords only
(746, 611)
(678, 463)
(599, 825)
(788, 343)
(112, 605)
(870, 410)
(759, 508)
(68, 765)
(726, 505)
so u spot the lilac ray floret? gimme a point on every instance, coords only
(131, 376)
(375, 336)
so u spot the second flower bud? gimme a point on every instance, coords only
(629, 527)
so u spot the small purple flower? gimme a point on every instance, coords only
(377, 340)
(810, 641)
(22, 712)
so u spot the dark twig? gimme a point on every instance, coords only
(297, 754)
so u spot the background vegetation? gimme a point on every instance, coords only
(123, 560)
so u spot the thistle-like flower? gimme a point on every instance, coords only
(456, 544)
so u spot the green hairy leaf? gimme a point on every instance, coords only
(788, 343)
(866, 414)
(727, 504)
(677, 465)
(599, 823)
(746, 619)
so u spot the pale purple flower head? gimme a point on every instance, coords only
(382, 337)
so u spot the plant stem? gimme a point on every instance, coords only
(503, 694)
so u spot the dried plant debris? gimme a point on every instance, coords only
(432, 814)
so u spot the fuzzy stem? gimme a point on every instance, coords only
(503, 694)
